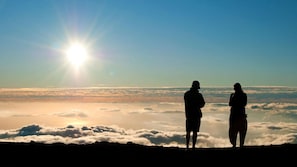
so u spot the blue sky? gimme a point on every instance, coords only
(149, 43)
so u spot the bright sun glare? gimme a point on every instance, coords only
(77, 54)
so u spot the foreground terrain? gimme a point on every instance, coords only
(99, 154)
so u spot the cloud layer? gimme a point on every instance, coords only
(136, 115)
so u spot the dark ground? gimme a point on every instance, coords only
(110, 154)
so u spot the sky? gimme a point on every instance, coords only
(147, 43)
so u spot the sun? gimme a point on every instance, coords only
(77, 54)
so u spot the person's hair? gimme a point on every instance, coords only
(196, 84)
(237, 87)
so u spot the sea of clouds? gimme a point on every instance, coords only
(149, 116)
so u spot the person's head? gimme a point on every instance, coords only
(237, 87)
(196, 84)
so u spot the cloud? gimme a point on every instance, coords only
(156, 114)
(150, 137)
(72, 114)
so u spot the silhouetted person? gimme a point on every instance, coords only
(194, 101)
(238, 117)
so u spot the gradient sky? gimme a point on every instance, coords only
(149, 43)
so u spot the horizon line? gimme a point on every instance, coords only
(139, 87)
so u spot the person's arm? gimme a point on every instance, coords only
(186, 110)
(231, 99)
(202, 101)
(186, 106)
(245, 100)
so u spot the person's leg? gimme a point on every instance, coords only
(196, 128)
(188, 135)
(242, 138)
(232, 137)
(242, 133)
(232, 133)
(195, 134)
